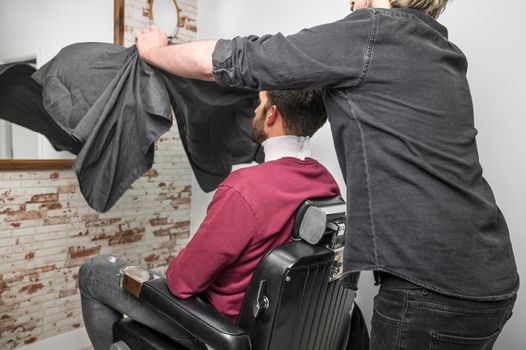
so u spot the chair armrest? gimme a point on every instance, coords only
(197, 317)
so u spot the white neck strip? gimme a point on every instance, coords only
(286, 146)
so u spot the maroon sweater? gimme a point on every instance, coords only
(251, 213)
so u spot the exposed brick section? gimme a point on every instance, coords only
(162, 232)
(151, 173)
(182, 224)
(51, 206)
(6, 197)
(158, 221)
(90, 217)
(12, 210)
(30, 340)
(67, 189)
(32, 288)
(41, 198)
(79, 252)
(47, 231)
(58, 220)
(67, 293)
(191, 27)
(126, 236)
(151, 257)
(102, 222)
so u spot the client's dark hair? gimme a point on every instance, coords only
(303, 111)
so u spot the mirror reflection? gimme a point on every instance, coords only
(17, 142)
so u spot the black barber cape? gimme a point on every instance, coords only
(102, 103)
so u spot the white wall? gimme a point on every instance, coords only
(43, 27)
(40, 28)
(493, 39)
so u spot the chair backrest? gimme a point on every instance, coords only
(295, 300)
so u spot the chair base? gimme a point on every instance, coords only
(136, 336)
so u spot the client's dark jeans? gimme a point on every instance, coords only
(412, 318)
(104, 302)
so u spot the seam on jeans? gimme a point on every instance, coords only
(368, 50)
(402, 320)
(496, 311)
(368, 180)
(386, 318)
(442, 338)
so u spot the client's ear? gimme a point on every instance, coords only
(272, 117)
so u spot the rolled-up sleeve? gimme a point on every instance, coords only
(330, 55)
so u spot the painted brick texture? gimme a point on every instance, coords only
(47, 230)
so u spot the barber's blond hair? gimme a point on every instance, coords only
(432, 7)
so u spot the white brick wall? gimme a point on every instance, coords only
(47, 230)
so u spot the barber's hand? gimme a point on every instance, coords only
(148, 39)
(360, 4)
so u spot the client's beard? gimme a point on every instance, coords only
(258, 133)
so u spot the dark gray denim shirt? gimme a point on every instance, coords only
(401, 115)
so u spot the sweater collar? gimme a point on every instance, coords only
(286, 146)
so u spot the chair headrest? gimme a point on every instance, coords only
(315, 217)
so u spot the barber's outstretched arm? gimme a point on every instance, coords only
(331, 55)
(190, 60)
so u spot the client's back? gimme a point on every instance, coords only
(253, 210)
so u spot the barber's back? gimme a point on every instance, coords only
(415, 182)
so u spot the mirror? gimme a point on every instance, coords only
(165, 14)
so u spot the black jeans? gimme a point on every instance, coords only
(104, 302)
(412, 318)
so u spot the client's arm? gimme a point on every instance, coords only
(227, 230)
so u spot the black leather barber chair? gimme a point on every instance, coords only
(295, 300)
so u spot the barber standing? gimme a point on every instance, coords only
(421, 216)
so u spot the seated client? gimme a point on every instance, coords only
(251, 213)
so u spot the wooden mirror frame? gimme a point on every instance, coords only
(118, 22)
(35, 164)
